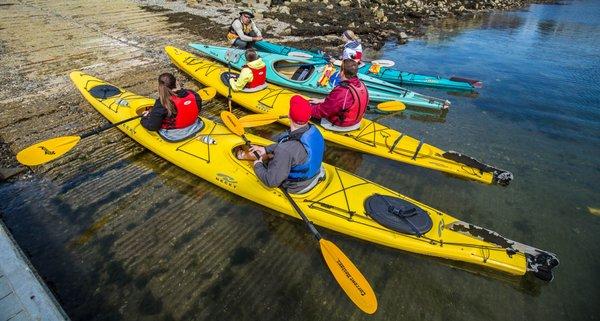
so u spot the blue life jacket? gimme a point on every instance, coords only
(314, 144)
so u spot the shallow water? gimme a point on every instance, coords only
(120, 234)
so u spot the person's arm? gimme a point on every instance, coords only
(198, 100)
(237, 27)
(153, 121)
(241, 81)
(255, 29)
(277, 170)
(331, 105)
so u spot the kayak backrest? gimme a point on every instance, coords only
(294, 70)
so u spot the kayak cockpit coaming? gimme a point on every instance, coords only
(293, 70)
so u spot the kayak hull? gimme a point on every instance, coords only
(337, 203)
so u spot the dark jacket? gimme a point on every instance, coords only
(154, 119)
(285, 155)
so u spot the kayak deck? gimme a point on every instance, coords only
(304, 75)
(372, 138)
(388, 74)
(337, 203)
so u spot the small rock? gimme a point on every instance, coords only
(594, 211)
(345, 3)
(329, 6)
(403, 35)
(284, 9)
(351, 25)
(299, 20)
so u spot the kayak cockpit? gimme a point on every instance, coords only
(294, 70)
(244, 158)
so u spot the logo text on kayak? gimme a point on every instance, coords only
(227, 180)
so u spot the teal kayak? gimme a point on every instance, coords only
(304, 75)
(388, 74)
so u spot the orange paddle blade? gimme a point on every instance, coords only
(391, 106)
(207, 94)
(47, 150)
(256, 120)
(232, 123)
(349, 277)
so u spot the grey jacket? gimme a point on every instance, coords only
(285, 155)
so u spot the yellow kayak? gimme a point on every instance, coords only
(371, 138)
(342, 201)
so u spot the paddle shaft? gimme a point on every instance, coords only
(107, 126)
(229, 85)
(310, 225)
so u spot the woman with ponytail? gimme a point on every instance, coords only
(175, 113)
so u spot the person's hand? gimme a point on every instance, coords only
(257, 38)
(145, 113)
(258, 161)
(258, 149)
(316, 100)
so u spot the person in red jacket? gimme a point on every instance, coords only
(345, 106)
(175, 114)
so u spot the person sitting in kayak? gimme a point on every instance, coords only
(295, 160)
(243, 31)
(352, 47)
(253, 76)
(345, 106)
(175, 113)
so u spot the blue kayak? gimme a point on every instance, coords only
(305, 75)
(388, 74)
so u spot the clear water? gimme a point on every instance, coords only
(124, 235)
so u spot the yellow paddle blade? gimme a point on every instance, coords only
(47, 150)
(256, 120)
(392, 105)
(349, 277)
(232, 123)
(207, 94)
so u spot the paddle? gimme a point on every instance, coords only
(256, 120)
(51, 149)
(337, 62)
(344, 271)
(229, 85)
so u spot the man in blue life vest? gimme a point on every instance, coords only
(295, 160)
(253, 76)
(243, 32)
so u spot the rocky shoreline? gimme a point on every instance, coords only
(318, 23)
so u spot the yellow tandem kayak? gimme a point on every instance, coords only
(371, 138)
(342, 202)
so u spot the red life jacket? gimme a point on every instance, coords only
(187, 110)
(259, 77)
(353, 114)
(358, 56)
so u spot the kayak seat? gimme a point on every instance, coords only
(302, 73)
(181, 134)
(316, 180)
(398, 214)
